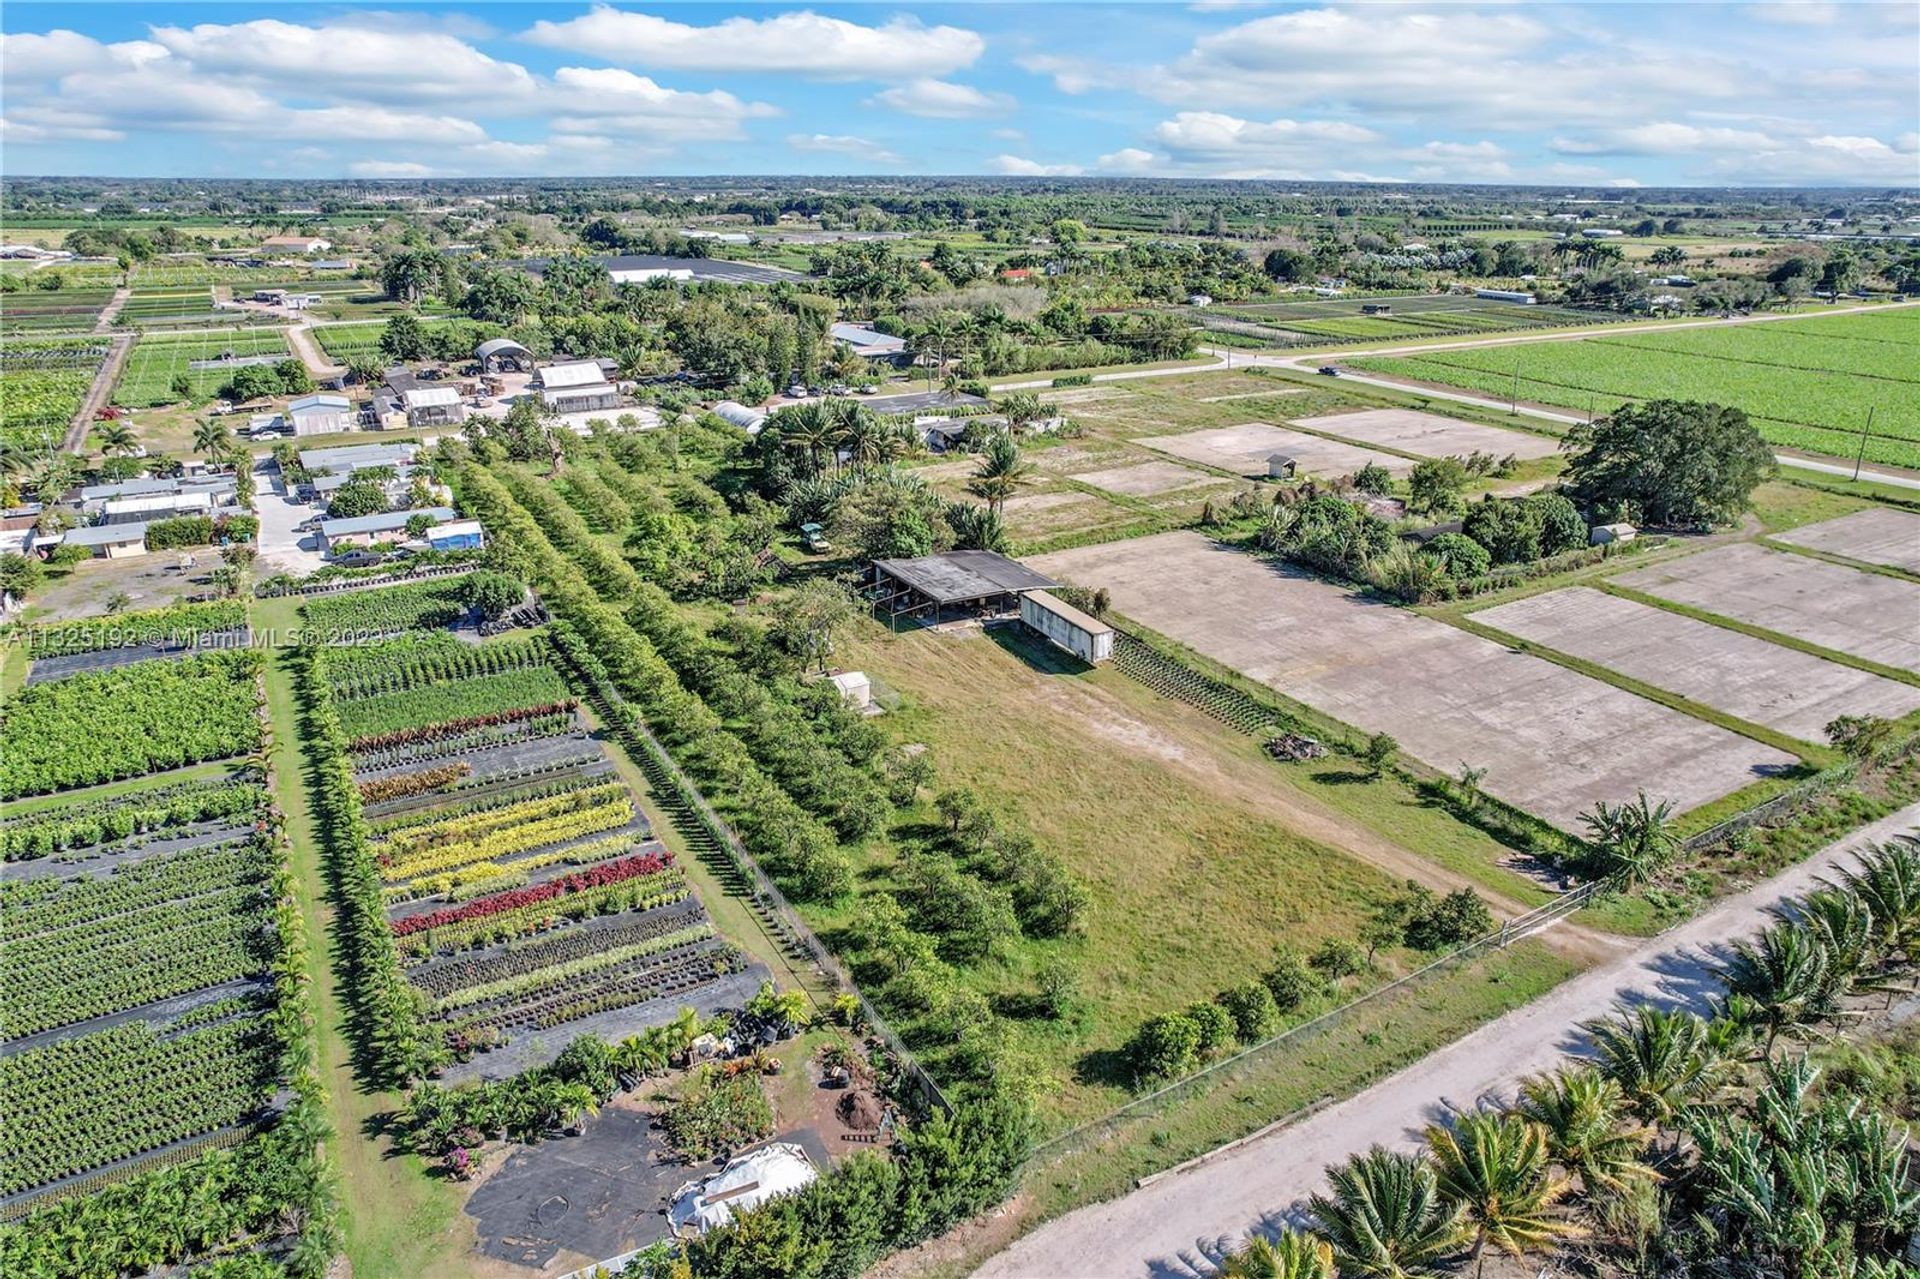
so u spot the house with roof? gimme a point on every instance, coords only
(386, 526)
(870, 344)
(433, 406)
(577, 386)
(106, 541)
(296, 244)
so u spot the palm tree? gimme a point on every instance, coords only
(807, 426)
(1385, 1218)
(115, 437)
(1633, 840)
(211, 439)
(867, 443)
(1495, 1169)
(1784, 973)
(1021, 408)
(1887, 880)
(1582, 1113)
(1001, 472)
(1291, 1254)
(1660, 1057)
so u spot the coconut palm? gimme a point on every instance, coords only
(211, 439)
(115, 437)
(1291, 1254)
(1385, 1217)
(1633, 840)
(866, 442)
(1583, 1114)
(1495, 1168)
(1001, 472)
(1021, 408)
(1661, 1059)
(1785, 974)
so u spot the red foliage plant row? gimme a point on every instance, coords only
(454, 727)
(578, 882)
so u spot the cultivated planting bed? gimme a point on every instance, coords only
(1864, 614)
(1553, 742)
(1764, 683)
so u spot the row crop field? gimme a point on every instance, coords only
(153, 989)
(515, 873)
(1808, 384)
(161, 307)
(52, 310)
(350, 342)
(1412, 318)
(156, 361)
(42, 385)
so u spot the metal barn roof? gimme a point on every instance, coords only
(951, 577)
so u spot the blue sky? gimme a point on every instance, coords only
(1620, 94)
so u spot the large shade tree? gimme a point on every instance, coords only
(1668, 462)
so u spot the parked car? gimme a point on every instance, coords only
(867, 388)
(1328, 370)
(838, 388)
(796, 392)
(271, 435)
(816, 539)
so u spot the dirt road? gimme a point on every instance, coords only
(103, 382)
(1181, 1225)
(316, 360)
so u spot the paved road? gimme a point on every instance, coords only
(1176, 1227)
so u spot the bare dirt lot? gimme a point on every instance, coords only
(1244, 450)
(1877, 536)
(1864, 614)
(1146, 479)
(1781, 688)
(1552, 741)
(1430, 434)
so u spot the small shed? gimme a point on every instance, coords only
(1282, 466)
(1603, 534)
(856, 690)
(1085, 636)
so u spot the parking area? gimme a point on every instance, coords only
(1244, 450)
(1877, 536)
(1553, 741)
(1867, 615)
(1763, 683)
(1430, 434)
(284, 546)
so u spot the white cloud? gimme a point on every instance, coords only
(1074, 75)
(1128, 160)
(1664, 137)
(1020, 167)
(1800, 13)
(592, 99)
(807, 43)
(844, 144)
(1226, 145)
(348, 59)
(389, 169)
(1460, 161)
(942, 100)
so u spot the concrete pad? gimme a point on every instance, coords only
(1430, 434)
(1146, 479)
(1864, 614)
(1553, 742)
(1761, 682)
(1877, 536)
(1244, 450)
(1041, 501)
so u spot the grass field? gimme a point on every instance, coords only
(1809, 384)
(156, 361)
(1201, 855)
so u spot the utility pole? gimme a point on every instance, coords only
(1513, 400)
(1862, 454)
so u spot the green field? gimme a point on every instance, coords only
(52, 310)
(156, 361)
(1809, 384)
(161, 307)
